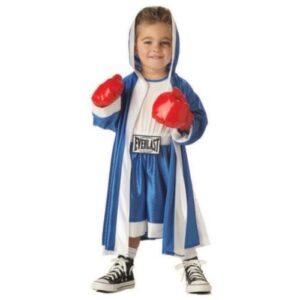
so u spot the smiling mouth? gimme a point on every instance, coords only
(156, 57)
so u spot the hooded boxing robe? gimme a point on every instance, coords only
(183, 225)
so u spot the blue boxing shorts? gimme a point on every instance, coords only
(148, 190)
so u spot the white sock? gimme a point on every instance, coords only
(132, 252)
(189, 253)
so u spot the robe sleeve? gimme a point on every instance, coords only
(113, 115)
(200, 118)
(107, 117)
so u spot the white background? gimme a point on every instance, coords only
(241, 57)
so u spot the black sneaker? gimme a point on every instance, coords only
(195, 279)
(119, 277)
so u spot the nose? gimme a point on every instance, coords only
(156, 47)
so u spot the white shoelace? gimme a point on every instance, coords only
(194, 269)
(117, 269)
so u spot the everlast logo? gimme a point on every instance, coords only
(146, 144)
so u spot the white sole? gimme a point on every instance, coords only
(198, 288)
(112, 288)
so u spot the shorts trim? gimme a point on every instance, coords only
(154, 230)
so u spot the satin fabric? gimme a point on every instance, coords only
(149, 185)
(195, 232)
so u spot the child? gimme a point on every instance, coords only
(154, 114)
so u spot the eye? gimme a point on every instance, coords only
(165, 44)
(147, 42)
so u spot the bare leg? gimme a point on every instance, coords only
(134, 242)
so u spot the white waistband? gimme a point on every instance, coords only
(164, 139)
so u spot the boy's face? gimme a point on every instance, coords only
(154, 48)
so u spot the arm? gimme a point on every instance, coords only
(200, 121)
(106, 103)
(181, 110)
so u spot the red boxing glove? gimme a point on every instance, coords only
(109, 91)
(172, 110)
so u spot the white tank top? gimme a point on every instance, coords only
(145, 124)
